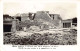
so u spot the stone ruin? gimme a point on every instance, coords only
(41, 19)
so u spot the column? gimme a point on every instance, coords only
(13, 26)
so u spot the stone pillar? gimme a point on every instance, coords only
(71, 23)
(60, 24)
(14, 25)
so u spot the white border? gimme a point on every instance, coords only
(59, 48)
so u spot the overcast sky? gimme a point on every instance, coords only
(66, 10)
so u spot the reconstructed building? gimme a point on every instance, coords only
(9, 23)
(66, 23)
(41, 19)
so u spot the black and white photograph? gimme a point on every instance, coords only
(40, 23)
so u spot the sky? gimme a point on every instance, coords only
(66, 10)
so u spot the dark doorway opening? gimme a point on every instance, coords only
(19, 18)
(7, 28)
(66, 25)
